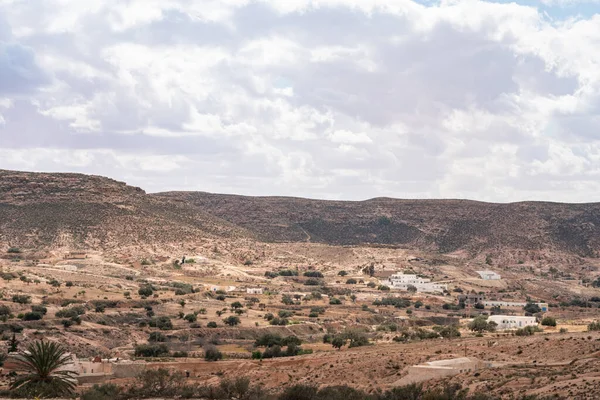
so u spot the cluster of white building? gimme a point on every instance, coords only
(404, 281)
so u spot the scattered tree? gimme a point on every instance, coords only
(232, 320)
(211, 353)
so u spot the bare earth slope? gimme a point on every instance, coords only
(515, 230)
(39, 210)
(80, 211)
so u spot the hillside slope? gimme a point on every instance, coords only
(39, 210)
(528, 229)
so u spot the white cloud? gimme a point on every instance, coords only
(342, 136)
(335, 98)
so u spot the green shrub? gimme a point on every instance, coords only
(163, 323)
(447, 332)
(4, 311)
(318, 310)
(8, 276)
(106, 391)
(151, 350)
(145, 291)
(67, 323)
(211, 353)
(33, 316)
(279, 321)
(480, 324)
(21, 299)
(268, 340)
(54, 283)
(236, 305)
(351, 281)
(232, 320)
(211, 324)
(190, 318)
(272, 352)
(288, 272)
(70, 312)
(532, 308)
(157, 337)
(285, 314)
(549, 321)
(527, 331)
(594, 326)
(397, 302)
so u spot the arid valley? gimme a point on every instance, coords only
(290, 292)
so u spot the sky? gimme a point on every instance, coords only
(333, 99)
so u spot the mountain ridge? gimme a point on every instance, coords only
(98, 212)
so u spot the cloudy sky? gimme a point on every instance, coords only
(336, 99)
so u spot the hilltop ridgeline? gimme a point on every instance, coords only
(78, 210)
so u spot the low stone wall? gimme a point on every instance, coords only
(90, 379)
(128, 370)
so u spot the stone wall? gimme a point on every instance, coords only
(128, 370)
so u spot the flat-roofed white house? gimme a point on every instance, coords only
(505, 322)
(404, 281)
(254, 291)
(489, 275)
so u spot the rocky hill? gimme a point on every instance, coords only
(516, 231)
(39, 210)
(71, 211)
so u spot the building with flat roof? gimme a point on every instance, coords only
(471, 298)
(405, 281)
(489, 275)
(505, 322)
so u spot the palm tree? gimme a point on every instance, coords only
(45, 374)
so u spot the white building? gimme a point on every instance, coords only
(223, 288)
(512, 321)
(254, 291)
(489, 275)
(403, 281)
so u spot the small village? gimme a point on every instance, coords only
(184, 318)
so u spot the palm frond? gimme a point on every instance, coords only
(43, 363)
